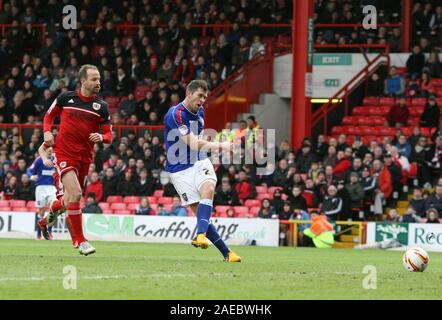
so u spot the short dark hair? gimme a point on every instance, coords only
(194, 85)
(82, 73)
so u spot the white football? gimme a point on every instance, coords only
(415, 259)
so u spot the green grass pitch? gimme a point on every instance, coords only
(32, 269)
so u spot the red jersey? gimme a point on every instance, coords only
(79, 117)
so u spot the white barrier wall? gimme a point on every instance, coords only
(425, 235)
(331, 71)
(264, 232)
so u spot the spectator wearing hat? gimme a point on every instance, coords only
(432, 216)
(304, 158)
(430, 117)
(91, 204)
(356, 191)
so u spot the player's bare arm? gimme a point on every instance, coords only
(44, 152)
(196, 143)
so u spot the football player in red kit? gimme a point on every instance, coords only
(82, 115)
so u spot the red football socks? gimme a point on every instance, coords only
(71, 231)
(75, 218)
(58, 205)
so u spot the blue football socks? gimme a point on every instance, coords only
(203, 215)
(215, 238)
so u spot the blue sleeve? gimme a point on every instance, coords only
(177, 119)
(35, 167)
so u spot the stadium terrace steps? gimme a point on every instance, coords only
(271, 112)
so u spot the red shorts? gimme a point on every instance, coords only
(64, 164)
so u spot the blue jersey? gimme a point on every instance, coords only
(179, 121)
(45, 174)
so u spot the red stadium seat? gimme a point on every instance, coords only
(222, 215)
(112, 101)
(108, 211)
(308, 196)
(132, 199)
(158, 193)
(254, 211)
(118, 206)
(386, 101)
(252, 203)
(261, 189)
(5, 209)
(165, 200)
(104, 205)
(21, 209)
(17, 203)
(114, 199)
(241, 209)
(124, 212)
(222, 209)
(418, 101)
(152, 200)
(31, 204)
(371, 101)
(140, 92)
(132, 206)
(348, 119)
(273, 189)
(4, 203)
(413, 170)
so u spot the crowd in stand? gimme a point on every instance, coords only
(163, 52)
(426, 23)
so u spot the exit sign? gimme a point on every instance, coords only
(332, 82)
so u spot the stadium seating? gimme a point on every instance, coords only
(254, 211)
(132, 206)
(17, 203)
(252, 203)
(104, 205)
(165, 200)
(118, 206)
(158, 193)
(132, 199)
(112, 199)
(222, 209)
(4, 203)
